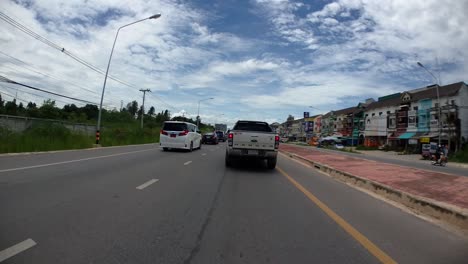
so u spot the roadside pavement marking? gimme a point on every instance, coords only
(188, 162)
(16, 249)
(203, 154)
(72, 161)
(146, 184)
(364, 241)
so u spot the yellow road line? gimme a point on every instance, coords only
(364, 241)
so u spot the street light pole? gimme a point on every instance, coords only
(98, 127)
(143, 105)
(198, 113)
(438, 98)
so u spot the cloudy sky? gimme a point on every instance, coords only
(258, 59)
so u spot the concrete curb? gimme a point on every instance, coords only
(70, 150)
(440, 211)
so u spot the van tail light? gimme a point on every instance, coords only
(277, 140)
(164, 132)
(183, 133)
(230, 139)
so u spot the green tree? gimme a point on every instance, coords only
(32, 110)
(21, 110)
(140, 110)
(289, 120)
(151, 111)
(11, 108)
(91, 111)
(166, 115)
(132, 108)
(49, 110)
(2, 105)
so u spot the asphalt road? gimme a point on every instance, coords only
(138, 204)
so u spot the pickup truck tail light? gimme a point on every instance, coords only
(277, 140)
(183, 133)
(230, 139)
(164, 132)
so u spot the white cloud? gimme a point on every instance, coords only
(330, 58)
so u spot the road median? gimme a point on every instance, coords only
(439, 203)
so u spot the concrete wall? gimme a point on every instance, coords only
(19, 124)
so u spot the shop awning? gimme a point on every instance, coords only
(406, 135)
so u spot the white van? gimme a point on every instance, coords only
(179, 135)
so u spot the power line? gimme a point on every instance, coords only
(14, 97)
(31, 68)
(44, 40)
(38, 95)
(4, 79)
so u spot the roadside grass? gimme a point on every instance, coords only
(42, 138)
(461, 156)
(128, 135)
(49, 137)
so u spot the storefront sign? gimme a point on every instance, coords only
(412, 141)
(425, 139)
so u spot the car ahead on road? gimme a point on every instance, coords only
(221, 136)
(252, 140)
(210, 138)
(179, 135)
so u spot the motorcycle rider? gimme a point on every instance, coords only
(438, 152)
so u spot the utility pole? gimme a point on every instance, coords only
(121, 105)
(143, 105)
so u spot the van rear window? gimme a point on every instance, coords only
(175, 126)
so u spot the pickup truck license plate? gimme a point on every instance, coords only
(253, 152)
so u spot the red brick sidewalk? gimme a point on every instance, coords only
(447, 188)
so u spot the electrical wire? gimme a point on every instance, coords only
(31, 68)
(44, 40)
(4, 79)
(14, 97)
(41, 96)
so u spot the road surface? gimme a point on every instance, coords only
(138, 204)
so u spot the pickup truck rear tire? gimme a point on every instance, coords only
(271, 163)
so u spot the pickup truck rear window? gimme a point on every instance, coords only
(175, 126)
(253, 126)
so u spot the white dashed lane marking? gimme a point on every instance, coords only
(146, 184)
(188, 162)
(16, 249)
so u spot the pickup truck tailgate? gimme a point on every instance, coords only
(253, 140)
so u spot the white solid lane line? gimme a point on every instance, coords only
(16, 249)
(188, 162)
(72, 161)
(146, 184)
